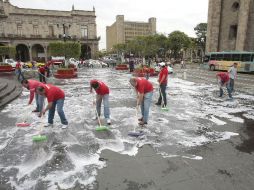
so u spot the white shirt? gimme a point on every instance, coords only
(232, 72)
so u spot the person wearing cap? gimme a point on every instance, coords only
(144, 90)
(223, 80)
(163, 82)
(31, 85)
(232, 76)
(55, 97)
(102, 94)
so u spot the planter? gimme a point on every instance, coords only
(144, 71)
(122, 67)
(65, 73)
(6, 68)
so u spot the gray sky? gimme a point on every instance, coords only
(171, 15)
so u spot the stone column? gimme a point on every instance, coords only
(46, 52)
(30, 51)
(242, 24)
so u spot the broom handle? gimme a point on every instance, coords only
(97, 113)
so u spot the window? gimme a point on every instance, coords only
(213, 57)
(235, 6)
(84, 32)
(51, 31)
(233, 32)
(19, 29)
(220, 57)
(252, 57)
(227, 57)
(236, 57)
(246, 57)
(35, 30)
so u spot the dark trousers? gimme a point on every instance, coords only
(42, 77)
(231, 84)
(163, 95)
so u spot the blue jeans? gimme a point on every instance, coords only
(105, 99)
(163, 95)
(145, 105)
(39, 102)
(231, 84)
(228, 89)
(19, 74)
(59, 103)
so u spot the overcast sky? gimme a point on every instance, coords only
(171, 15)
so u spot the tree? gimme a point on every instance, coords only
(177, 42)
(67, 49)
(201, 30)
(7, 51)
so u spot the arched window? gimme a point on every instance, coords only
(235, 6)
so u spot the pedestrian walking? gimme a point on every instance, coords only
(102, 94)
(163, 82)
(31, 85)
(223, 80)
(232, 75)
(18, 71)
(144, 90)
(42, 73)
(183, 66)
(55, 97)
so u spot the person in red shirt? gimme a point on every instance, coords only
(144, 90)
(55, 97)
(31, 85)
(102, 93)
(42, 73)
(223, 80)
(18, 71)
(163, 82)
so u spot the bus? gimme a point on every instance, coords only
(224, 60)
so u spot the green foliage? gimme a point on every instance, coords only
(7, 50)
(67, 49)
(201, 31)
(178, 41)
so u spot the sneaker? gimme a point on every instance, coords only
(108, 121)
(158, 104)
(35, 111)
(140, 119)
(142, 123)
(64, 126)
(48, 125)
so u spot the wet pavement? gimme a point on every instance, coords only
(202, 142)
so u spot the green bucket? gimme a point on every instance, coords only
(39, 138)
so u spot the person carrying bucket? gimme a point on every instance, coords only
(55, 97)
(223, 80)
(102, 93)
(144, 90)
(163, 82)
(31, 85)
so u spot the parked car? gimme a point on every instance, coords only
(30, 64)
(170, 70)
(96, 63)
(74, 62)
(12, 62)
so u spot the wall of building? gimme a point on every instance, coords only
(31, 26)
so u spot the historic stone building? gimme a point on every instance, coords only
(31, 30)
(122, 31)
(230, 25)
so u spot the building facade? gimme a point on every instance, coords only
(122, 31)
(31, 30)
(230, 25)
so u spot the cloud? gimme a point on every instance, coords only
(171, 15)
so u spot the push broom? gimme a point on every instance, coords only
(163, 103)
(134, 133)
(100, 127)
(39, 138)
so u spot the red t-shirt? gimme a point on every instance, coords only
(53, 93)
(223, 76)
(18, 65)
(103, 88)
(143, 86)
(42, 70)
(164, 72)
